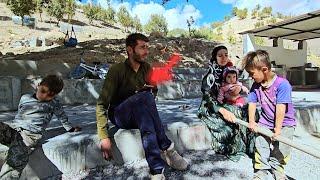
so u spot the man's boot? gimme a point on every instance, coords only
(173, 159)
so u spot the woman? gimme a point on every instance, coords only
(227, 138)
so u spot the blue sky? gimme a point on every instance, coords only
(205, 12)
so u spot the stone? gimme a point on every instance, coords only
(10, 90)
(9, 54)
(17, 44)
(48, 42)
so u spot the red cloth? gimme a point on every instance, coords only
(161, 74)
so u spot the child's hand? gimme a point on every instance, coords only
(235, 90)
(277, 132)
(253, 126)
(75, 129)
(246, 90)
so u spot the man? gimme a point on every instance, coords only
(127, 101)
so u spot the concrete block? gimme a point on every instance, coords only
(23, 68)
(309, 119)
(194, 137)
(170, 90)
(10, 90)
(191, 88)
(129, 145)
(81, 91)
(186, 74)
(35, 168)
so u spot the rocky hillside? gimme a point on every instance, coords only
(98, 41)
(105, 43)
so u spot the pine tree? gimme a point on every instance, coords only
(124, 17)
(39, 7)
(56, 9)
(70, 9)
(137, 24)
(157, 23)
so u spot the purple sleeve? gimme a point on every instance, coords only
(252, 97)
(284, 93)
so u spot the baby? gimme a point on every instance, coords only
(230, 81)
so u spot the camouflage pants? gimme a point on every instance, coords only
(229, 139)
(17, 155)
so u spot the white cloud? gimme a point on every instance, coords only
(293, 7)
(175, 17)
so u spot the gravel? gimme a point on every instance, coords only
(204, 164)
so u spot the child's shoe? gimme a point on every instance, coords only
(261, 174)
(279, 175)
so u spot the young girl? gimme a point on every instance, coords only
(230, 77)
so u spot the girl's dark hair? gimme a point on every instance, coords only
(215, 52)
(54, 83)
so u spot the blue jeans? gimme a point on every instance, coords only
(140, 112)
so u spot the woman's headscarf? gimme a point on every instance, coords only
(213, 79)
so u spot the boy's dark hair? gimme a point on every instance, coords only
(215, 52)
(54, 83)
(132, 39)
(256, 59)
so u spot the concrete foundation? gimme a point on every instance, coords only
(63, 152)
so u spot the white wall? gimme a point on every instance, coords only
(291, 58)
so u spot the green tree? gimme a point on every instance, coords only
(226, 18)
(216, 24)
(137, 24)
(242, 13)
(70, 9)
(234, 11)
(177, 32)
(39, 7)
(219, 30)
(280, 16)
(21, 7)
(109, 16)
(267, 11)
(124, 18)
(254, 13)
(231, 38)
(272, 20)
(157, 23)
(258, 24)
(56, 9)
(260, 41)
(92, 12)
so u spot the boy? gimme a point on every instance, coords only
(273, 93)
(22, 134)
(230, 81)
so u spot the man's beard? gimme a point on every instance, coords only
(137, 58)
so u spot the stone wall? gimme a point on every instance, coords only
(186, 84)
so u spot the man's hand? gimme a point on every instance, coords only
(252, 126)
(105, 145)
(277, 132)
(227, 115)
